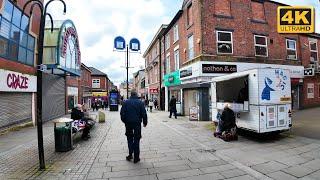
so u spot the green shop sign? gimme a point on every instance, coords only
(172, 79)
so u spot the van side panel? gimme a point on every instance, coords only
(249, 120)
(253, 88)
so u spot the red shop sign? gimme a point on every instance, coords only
(154, 91)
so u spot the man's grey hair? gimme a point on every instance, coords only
(134, 93)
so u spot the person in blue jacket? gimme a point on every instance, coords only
(132, 115)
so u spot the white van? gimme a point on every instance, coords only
(260, 98)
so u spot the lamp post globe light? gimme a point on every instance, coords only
(40, 67)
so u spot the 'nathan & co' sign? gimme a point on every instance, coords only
(218, 68)
(16, 82)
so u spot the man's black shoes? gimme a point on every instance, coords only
(136, 160)
(129, 158)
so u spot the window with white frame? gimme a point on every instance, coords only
(224, 42)
(291, 49)
(176, 59)
(261, 45)
(190, 48)
(167, 41)
(313, 51)
(95, 83)
(310, 90)
(175, 33)
(168, 64)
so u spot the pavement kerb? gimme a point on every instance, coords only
(242, 167)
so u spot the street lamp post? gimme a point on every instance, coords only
(40, 68)
(120, 45)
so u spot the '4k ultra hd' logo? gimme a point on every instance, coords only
(295, 19)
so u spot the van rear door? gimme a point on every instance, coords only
(271, 116)
(282, 115)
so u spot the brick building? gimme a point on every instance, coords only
(100, 85)
(139, 82)
(240, 35)
(85, 93)
(18, 83)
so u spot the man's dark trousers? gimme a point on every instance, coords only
(174, 111)
(133, 133)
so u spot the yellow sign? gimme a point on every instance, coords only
(295, 19)
(285, 99)
(97, 94)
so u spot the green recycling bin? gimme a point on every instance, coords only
(63, 135)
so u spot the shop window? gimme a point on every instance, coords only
(8, 9)
(189, 15)
(190, 47)
(3, 47)
(313, 51)
(176, 59)
(95, 83)
(168, 41)
(257, 9)
(22, 55)
(261, 46)
(291, 49)
(15, 40)
(310, 90)
(223, 7)
(224, 42)
(175, 33)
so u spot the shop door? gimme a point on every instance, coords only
(295, 97)
(190, 100)
(15, 108)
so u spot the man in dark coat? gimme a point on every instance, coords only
(133, 114)
(172, 106)
(228, 119)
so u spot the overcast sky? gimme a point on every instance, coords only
(98, 22)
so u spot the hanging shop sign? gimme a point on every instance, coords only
(186, 72)
(99, 94)
(172, 79)
(218, 68)
(16, 82)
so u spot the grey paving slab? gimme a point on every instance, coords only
(298, 171)
(213, 176)
(171, 163)
(215, 169)
(269, 167)
(314, 164)
(168, 169)
(294, 160)
(279, 175)
(204, 164)
(131, 166)
(245, 177)
(145, 177)
(178, 174)
(232, 173)
(129, 173)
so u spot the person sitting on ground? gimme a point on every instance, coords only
(226, 128)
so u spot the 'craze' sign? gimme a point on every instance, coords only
(218, 68)
(16, 82)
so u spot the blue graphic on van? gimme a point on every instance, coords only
(267, 90)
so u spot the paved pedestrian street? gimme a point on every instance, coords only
(170, 149)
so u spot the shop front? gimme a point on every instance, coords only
(72, 97)
(99, 96)
(172, 84)
(196, 82)
(17, 98)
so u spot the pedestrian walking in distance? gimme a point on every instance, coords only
(173, 108)
(150, 105)
(132, 115)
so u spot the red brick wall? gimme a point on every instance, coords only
(103, 84)
(311, 102)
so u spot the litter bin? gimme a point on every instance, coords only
(63, 134)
